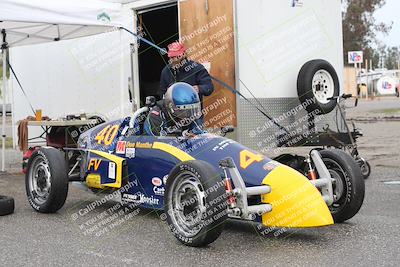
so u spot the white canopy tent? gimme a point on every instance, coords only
(26, 22)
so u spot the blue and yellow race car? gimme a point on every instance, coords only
(198, 182)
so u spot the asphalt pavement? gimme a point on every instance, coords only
(371, 238)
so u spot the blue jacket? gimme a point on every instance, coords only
(192, 73)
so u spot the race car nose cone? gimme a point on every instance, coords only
(296, 203)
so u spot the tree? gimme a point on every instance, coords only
(360, 27)
(392, 58)
(387, 57)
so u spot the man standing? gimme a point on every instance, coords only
(181, 69)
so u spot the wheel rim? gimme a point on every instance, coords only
(323, 86)
(187, 205)
(40, 180)
(339, 185)
(365, 169)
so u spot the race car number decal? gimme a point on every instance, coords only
(107, 135)
(247, 158)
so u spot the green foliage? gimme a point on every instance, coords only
(391, 57)
(360, 27)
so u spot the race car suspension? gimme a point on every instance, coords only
(239, 192)
(311, 174)
(324, 182)
(229, 190)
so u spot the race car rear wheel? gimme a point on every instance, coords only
(46, 180)
(348, 185)
(196, 206)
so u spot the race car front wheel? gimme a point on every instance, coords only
(196, 206)
(46, 180)
(348, 184)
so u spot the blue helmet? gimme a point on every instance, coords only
(183, 103)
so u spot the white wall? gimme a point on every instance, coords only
(275, 40)
(88, 74)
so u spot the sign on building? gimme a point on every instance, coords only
(356, 57)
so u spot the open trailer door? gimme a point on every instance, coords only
(207, 29)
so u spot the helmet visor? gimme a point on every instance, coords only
(188, 113)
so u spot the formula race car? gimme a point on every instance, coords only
(197, 182)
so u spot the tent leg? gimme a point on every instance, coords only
(4, 94)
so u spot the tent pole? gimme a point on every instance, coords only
(4, 48)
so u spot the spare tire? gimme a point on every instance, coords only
(6, 205)
(316, 84)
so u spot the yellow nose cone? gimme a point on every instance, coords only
(296, 203)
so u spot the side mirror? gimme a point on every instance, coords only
(150, 101)
(227, 129)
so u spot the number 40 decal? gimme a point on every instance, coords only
(107, 135)
(247, 158)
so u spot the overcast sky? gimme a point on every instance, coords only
(390, 12)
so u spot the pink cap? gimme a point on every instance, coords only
(176, 49)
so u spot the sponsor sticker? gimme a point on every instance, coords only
(130, 152)
(140, 198)
(159, 190)
(156, 181)
(271, 165)
(144, 145)
(165, 178)
(121, 145)
(111, 170)
(94, 164)
(130, 145)
(222, 145)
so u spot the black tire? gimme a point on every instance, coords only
(205, 227)
(43, 162)
(325, 88)
(349, 184)
(7, 205)
(365, 169)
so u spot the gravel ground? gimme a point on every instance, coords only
(371, 238)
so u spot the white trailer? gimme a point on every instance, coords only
(257, 47)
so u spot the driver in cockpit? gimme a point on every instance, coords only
(177, 114)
